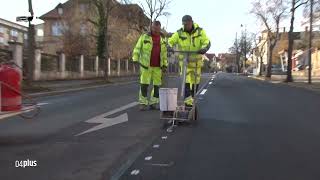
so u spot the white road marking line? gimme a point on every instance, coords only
(135, 172)
(162, 165)
(210, 83)
(42, 104)
(148, 158)
(203, 92)
(4, 115)
(156, 146)
(164, 137)
(107, 122)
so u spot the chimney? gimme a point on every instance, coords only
(284, 29)
(307, 29)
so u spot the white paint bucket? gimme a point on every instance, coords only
(168, 99)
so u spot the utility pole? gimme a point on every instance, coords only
(31, 46)
(245, 47)
(310, 43)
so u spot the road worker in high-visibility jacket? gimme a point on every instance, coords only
(190, 38)
(150, 53)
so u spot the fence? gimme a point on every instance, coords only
(5, 55)
(60, 67)
(49, 62)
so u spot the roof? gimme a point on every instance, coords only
(54, 12)
(68, 4)
(13, 25)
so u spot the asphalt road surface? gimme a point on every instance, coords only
(247, 129)
(90, 134)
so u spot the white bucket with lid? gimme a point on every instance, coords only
(168, 99)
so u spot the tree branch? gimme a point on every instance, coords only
(303, 3)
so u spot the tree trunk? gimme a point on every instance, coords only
(261, 63)
(269, 61)
(106, 67)
(31, 54)
(290, 48)
(310, 44)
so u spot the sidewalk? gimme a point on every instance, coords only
(298, 82)
(42, 88)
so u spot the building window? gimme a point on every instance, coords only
(1, 40)
(56, 29)
(14, 33)
(1, 30)
(60, 11)
(40, 32)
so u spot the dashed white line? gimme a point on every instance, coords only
(210, 83)
(162, 165)
(148, 158)
(135, 172)
(203, 92)
(156, 146)
(164, 137)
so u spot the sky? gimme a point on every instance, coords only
(221, 19)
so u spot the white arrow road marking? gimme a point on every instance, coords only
(107, 122)
(203, 91)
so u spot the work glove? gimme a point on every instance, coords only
(202, 51)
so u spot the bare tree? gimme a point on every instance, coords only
(242, 46)
(137, 20)
(295, 4)
(155, 8)
(103, 9)
(270, 13)
(311, 11)
(316, 11)
(259, 51)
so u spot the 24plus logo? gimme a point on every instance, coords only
(26, 163)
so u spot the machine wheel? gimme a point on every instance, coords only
(165, 125)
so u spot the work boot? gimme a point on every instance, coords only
(154, 107)
(143, 107)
